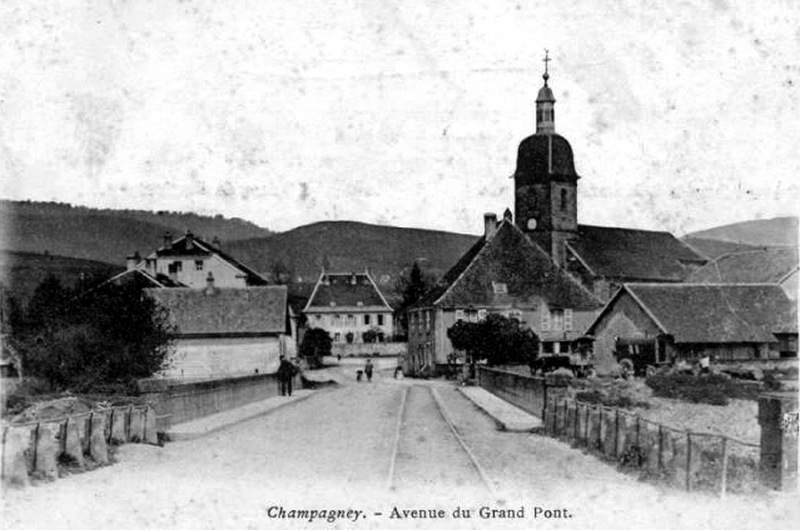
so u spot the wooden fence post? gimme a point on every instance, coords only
(660, 447)
(724, 480)
(688, 461)
(600, 426)
(616, 432)
(638, 428)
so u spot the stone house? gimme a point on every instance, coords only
(188, 261)
(505, 273)
(347, 305)
(669, 322)
(226, 332)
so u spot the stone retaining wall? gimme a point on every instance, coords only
(35, 449)
(178, 401)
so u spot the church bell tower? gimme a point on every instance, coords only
(545, 181)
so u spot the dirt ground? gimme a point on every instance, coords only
(334, 449)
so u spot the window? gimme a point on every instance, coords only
(318, 317)
(427, 320)
(175, 267)
(563, 199)
(380, 320)
(351, 320)
(515, 313)
(366, 320)
(568, 320)
(545, 319)
(547, 347)
(481, 314)
(459, 314)
(557, 316)
(499, 288)
(337, 337)
(198, 264)
(337, 316)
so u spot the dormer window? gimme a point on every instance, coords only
(499, 288)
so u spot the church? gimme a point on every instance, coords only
(539, 265)
(546, 209)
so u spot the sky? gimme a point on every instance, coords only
(681, 117)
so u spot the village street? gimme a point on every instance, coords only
(334, 450)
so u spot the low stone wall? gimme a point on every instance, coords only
(35, 449)
(361, 349)
(180, 401)
(526, 392)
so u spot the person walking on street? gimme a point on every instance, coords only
(368, 370)
(286, 371)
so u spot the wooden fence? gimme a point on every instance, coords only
(685, 459)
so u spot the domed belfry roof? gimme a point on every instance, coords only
(545, 155)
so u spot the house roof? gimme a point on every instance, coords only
(713, 313)
(261, 309)
(144, 279)
(508, 257)
(763, 265)
(633, 254)
(189, 245)
(336, 291)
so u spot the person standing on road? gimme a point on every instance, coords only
(286, 371)
(368, 369)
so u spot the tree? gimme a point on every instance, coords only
(316, 344)
(103, 341)
(411, 289)
(496, 339)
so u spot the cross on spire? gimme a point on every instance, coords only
(546, 60)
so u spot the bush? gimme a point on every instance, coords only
(316, 344)
(621, 401)
(85, 342)
(711, 389)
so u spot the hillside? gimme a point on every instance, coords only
(714, 248)
(780, 231)
(22, 272)
(348, 245)
(105, 235)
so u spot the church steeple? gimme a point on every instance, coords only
(545, 116)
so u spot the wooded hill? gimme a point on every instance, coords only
(105, 235)
(351, 246)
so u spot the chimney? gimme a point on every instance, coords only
(133, 260)
(167, 241)
(216, 243)
(507, 215)
(210, 289)
(489, 225)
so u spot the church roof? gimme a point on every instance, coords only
(510, 259)
(545, 155)
(694, 313)
(248, 310)
(765, 265)
(624, 253)
(342, 291)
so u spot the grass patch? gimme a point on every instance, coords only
(711, 389)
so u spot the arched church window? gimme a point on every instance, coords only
(563, 199)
